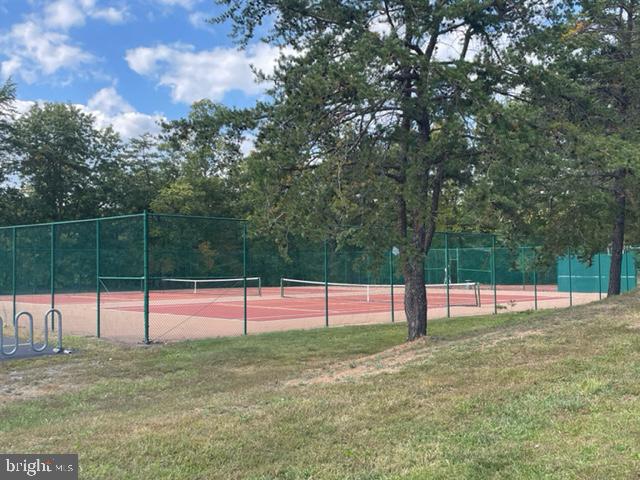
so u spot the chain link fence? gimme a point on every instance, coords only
(156, 277)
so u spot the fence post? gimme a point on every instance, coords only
(570, 281)
(522, 266)
(52, 271)
(493, 274)
(599, 277)
(244, 277)
(535, 288)
(98, 278)
(14, 247)
(326, 284)
(393, 318)
(446, 271)
(145, 230)
(625, 253)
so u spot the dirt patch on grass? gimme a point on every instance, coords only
(400, 356)
(17, 384)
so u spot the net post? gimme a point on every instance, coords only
(326, 284)
(98, 278)
(281, 287)
(244, 278)
(493, 274)
(393, 318)
(446, 272)
(570, 280)
(259, 286)
(52, 270)
(145, 263)
(14, 248)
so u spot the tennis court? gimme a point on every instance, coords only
(216, 309)
(156, 277)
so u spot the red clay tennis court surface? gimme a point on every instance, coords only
(182, 314)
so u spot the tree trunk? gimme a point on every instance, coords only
(415, 297)
(617, 237)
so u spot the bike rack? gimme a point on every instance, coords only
(52, 313)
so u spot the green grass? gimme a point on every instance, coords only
(535, 395)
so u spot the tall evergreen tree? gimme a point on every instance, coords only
(564, 160)
(383, 99)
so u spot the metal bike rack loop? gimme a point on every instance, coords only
(13, 349)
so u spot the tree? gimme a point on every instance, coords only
(143, 169)
(59, 153)
(375, 111)
(567, 163)
(7, 113)
(10, 197)
(207, 144)
(600, 61)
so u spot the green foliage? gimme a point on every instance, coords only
(9, 196)
(376, 106)
(566, 150)
(59, 149)
(207, 145)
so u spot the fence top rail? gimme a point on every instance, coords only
(199, 217)
(118, 217)
(67, 222)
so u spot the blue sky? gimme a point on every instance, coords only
(129, 63)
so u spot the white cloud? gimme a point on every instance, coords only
(248, 144)
(63, 14)
(109, 102)
(40, 44)
(31, 50)
(127, 124)
(23, 106)
(110, 109)
(199, 19)
(110, 15)
(188, 4)
(193, 75)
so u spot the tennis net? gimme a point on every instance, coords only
(216, 286)
(466, 294)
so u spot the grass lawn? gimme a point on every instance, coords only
(534, 395)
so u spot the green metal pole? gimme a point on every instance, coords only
(393, 317)
(52, 273)
(145, 266)
(524, 274)
(535, 289)
(326, 285)
(244, 277)
(98, 278)
(446, 271)
(626, 267)
(13, 274)
(599, 277)
(493, 274)
(570, 281)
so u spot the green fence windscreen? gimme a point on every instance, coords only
(583, 276)
(156, 277)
